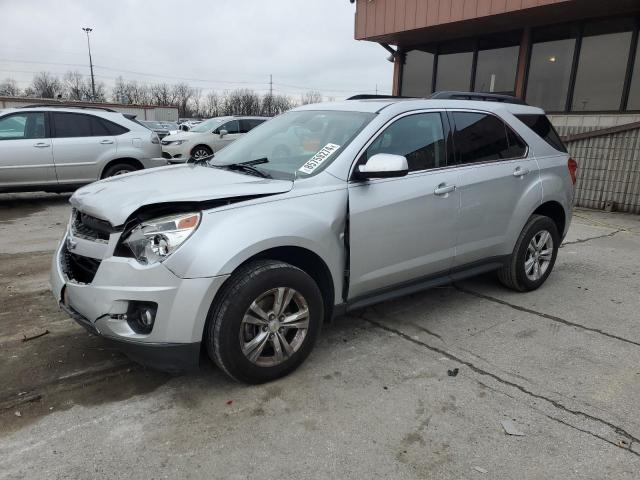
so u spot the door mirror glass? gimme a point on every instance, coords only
(384, 165)
(223, 133)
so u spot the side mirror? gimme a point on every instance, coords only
(223, 133)
(383, 165)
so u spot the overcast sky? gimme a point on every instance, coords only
(214, 44)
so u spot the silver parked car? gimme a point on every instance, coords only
(53, 148)
(245, 256)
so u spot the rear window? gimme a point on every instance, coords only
(542, 126)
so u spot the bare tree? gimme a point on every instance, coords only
(45, 85)
(312, 96)
(212, 106)
(9, 88)
(75, 86)
(275, 105)
(182, 94)
(162, 94)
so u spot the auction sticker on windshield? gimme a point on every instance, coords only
(319, 158)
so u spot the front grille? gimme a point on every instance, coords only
(166, 155)
(90, 228)
(79, 268)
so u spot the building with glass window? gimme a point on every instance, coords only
(577, 59)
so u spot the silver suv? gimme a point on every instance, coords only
(244, 256)
(53, 148)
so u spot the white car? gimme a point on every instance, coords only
(59, 148)
(206, 138)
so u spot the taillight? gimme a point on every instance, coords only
(572, 165)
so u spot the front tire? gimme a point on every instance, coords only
(533, 257)
(201, 151)
(265, 322)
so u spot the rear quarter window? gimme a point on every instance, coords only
(541, 125)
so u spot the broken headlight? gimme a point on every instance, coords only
(154, 240)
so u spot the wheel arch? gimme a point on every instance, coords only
(555, 211)
(208, 147)
(128, 160)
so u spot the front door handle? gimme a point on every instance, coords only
(443, 189)
(106, 142)
(520, 172)
(41, 145)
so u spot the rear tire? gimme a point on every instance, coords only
(533, 257)
(252, 336)
(118, 169)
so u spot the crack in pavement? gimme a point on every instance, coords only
(480, 371)
(584, 240)
(543, 315)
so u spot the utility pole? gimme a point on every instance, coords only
(270, 85)
(87, 30)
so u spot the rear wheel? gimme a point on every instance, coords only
(265, 323)
(118, 169)
(533, 257)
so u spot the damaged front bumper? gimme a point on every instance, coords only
(101, 306)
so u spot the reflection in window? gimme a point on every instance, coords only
(496, 70)
(419, 138)
(479, 138)
(454, 71)
(550, 68)
(417, 74)
(602, 67)
(634, 92)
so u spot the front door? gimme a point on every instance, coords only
(233, 132)
(404, 229)
(25, 151)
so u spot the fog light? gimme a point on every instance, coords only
(141, 316)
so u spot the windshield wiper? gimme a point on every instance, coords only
(248, 167)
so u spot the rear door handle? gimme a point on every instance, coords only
(41, 145)
(520, 172)
(443, 189)
(106, 142)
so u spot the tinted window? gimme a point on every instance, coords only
(454, 71)
(602, 66)
(249, 124)
(419, 138)
(496, 70)
(517, 147)
(480, 137)
(417, 74)
(542, 126)
(230, 127)
(22, 126)
(72, 125)
(113, 128)
(634, 92)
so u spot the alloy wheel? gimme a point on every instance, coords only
(274, 326)
(539, 255)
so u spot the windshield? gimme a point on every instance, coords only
(208, 125)
(296, 143)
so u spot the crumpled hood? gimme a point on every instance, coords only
(115, 198)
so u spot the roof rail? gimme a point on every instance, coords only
(366, 96)
(68, 105)
(487, 97)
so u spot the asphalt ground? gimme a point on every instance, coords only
(374, 400)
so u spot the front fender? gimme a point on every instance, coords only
(230, 236)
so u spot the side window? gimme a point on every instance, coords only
(419, 137)
(97, 127)
(113, 128)
(249, 124)
(21, 126)
(71, 125)
(517, 147)
(479, 137)
(542, 126)
(230, 127)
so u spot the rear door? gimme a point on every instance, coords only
(233, 133)
(495, 174)
(402, 230)
(248, 124)
(25, 151)
(81, 143)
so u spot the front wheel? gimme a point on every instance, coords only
(201, 151)
(533, 257)
(265, 323)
